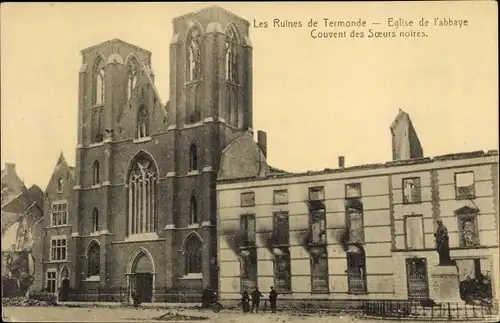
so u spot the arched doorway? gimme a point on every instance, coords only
(64, 284)
(141, 277)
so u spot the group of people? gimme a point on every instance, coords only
(256, 296)
(476, 290)
(249, 302)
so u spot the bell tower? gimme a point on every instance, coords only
(211, 69)
(210, 105)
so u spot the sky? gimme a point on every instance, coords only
(317, 99)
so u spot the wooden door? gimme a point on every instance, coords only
(144, 287)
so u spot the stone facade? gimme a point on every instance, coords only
(57, 224)
(401, 202)
(147, 235)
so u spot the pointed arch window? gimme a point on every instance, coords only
(95, 220)
(193, 250)
(356, 269)
(193, 158)
(133, 68)
(194, 210)
(97, 125)
(142, 196)
(93, 259)
(99, 84)
(193, 54)
(231, 54)
(143, 122)
(96, 175)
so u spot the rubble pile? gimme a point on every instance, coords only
(25, 302)
(175, 317)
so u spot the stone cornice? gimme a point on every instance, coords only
(218, 8)
(114, 41)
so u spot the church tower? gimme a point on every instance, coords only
(120, 120)
(144, 216)
(210, 105)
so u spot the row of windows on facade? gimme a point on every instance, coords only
(193, 65)
(192, 253)
(193, 165)
(142, 197)
(414, 230)
(193, 73)
(97, 130)
(356, 270)
(416, 273)
(464, 184)
(99, 76)
(194, 54)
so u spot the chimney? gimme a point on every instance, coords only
(10, 168)
(341, 161)
(262, 141)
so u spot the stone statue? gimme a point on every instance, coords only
(442, 244)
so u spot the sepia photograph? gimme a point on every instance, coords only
(250, 162)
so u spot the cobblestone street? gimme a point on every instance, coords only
(68, 314)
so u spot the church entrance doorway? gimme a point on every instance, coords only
(144, 286)
(142, 278)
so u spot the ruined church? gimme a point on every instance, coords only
(141, 214)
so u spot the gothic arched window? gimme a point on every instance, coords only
(193, 158)
(95, 179)
(97, 133)
(193, 48)
(143, 122)
(99, 86)
(133, 68)
(193, 250)
(95, 220)
(93, 259)
(231, 55)
(194, 210)
(356, 269)
(142, 196)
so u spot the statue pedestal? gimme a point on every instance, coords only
(445, 284)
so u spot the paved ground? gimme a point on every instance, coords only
(67, 314)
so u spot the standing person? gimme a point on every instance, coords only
(135, 299)
(256, 295)
(245, 298)
(207, 297)
(273, 298)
